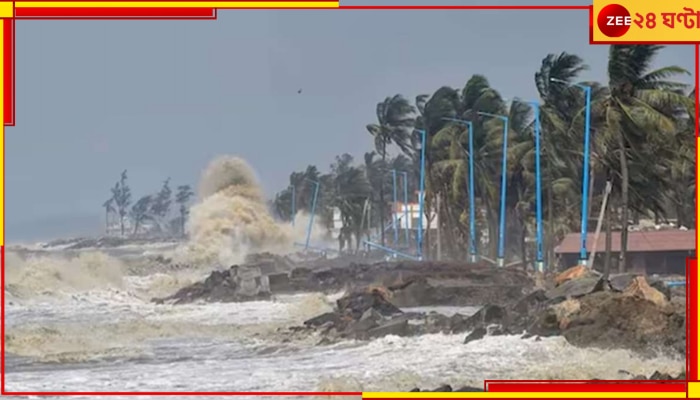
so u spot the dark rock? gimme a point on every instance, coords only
(232, 285)
(469, 389)
(476, 334)
(487, 315)
(414, 390)
(620, 282)
(361, 327)
(397, 327)
(323, 319)
(661, 286)
(576, 288)
(443, 389)
(613, 320)
(659, 376)
(357, 303)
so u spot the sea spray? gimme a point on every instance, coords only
(231, 218)
(55, 274)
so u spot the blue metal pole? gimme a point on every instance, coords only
(395, 210)
(539, 261)
(421, 195)
(473, 256)
(390, 251)
(311, 220)
(586, 162)
(583, 257)
(405, 206)
(500, 259)
(294, 204)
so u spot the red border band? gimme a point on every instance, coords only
(691, 337)
(112, 13)
(8, 26)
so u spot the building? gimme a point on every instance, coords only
(651, 252)
(413, 210)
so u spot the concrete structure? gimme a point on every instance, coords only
(651, 252)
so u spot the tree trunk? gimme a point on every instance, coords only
(625, 203)
(523, 245)
(381, 195)
(121, 224)
(608, 241)
(550, 217)
(439, 227)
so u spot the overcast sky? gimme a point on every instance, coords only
(162, 98)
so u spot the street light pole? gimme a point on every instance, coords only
(539, 261)
(500, 259)
(473, 255)
(394, 211)
(405, 206)
(421, 195)
(583, 257)
(313, 211)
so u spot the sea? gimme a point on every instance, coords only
(83, 321)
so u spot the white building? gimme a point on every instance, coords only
(413, 210)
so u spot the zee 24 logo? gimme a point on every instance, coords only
(615, 20)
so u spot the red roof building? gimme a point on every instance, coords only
(662, 251)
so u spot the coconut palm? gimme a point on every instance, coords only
(638, 119)
(394, 123)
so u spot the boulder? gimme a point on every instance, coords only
(640, 288)
(323, 319)
(576, 288)
(620, 282)
(572, 273)
(477, 334)
(396, 327)
(355, 304)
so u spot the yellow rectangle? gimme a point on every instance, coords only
(693, 390)
(177, 4)
(524, 395)
(668, 21)
(7, 9)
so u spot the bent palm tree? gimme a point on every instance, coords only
(394, 122)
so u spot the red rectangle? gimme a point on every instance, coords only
(9, 72)
(587, 387)
(691, 336)
(114, 13)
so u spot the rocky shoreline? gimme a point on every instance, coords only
(412, 284)
(625, 311)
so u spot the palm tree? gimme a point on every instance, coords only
(394, 122)
(636, 115)
(561, 150)
(350, 190)
(109, 210)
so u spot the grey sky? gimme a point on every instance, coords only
(161, 98)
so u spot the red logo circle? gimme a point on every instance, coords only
(614, 20)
